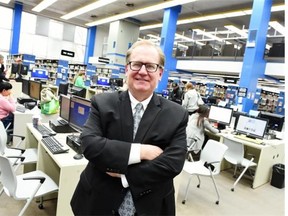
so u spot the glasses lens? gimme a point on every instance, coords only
(135, 65)
(150, 67)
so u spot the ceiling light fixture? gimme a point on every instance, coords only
(213, 17)
(140, 11)
(42, 5)
(234, 29)
(87, 8)
(200, 32)
(5, 1)
(278, 27)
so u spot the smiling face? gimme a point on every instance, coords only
(141, 83)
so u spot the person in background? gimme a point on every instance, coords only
(190, 101)
(121, 164)
(2, 70)
(79, 79)
(7, 104)
(176, 94)
(196, 127)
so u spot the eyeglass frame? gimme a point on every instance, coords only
(158, 66)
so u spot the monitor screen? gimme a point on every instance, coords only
(251, 126)
(103, 81)
(35, 88)
(39, 74)
(93, 80)
(63, 88)
(220, 115)
(25, 87)
(15, 68)
(236, 115)
(64, 107)
(79, 112)
(254, 113)
(276, 121)
(78, 91)
(24, 69)
(116, 82)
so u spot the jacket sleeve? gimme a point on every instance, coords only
(209, 127)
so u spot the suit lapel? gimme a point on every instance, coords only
(126, 116)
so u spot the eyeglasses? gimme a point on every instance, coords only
(150, 67)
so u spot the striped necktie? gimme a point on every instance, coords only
(127, 207)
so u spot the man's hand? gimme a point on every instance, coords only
(116, 175)
(149, 152)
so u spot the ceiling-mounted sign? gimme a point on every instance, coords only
(67, 53)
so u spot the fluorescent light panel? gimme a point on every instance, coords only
(87, 8)
(4, 1)
(278, 27)
(237, 30)
(44, 4)
(140, 11)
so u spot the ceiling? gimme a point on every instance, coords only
(190, 10)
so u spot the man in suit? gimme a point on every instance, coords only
(144, 165)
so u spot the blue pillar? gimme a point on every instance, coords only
(90, 43)
(167, 41)
(254, 63)
(16, 27)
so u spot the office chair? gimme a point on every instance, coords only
(208, 165)
(235, 156)
(25, 186)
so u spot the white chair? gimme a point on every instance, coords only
(30, 154)
(209, 164)
(235, 156)
(26, 186)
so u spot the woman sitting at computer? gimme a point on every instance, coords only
(79, 79)
(196, 126)
(7, 104)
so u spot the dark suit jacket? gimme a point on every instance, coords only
(106, 141)
(2, 75)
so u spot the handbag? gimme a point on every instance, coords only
(199, 100)
(49, 102)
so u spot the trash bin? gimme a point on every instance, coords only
(278, 174)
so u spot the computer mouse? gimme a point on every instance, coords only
(78, 156)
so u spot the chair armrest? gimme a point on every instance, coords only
(15, 135)
(20, 149)
(20, 157)
(42, 179)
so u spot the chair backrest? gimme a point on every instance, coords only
(212, 152)
(235, 152)
(7, 176)
(3, 138)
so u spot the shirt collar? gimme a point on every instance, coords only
(134, 102)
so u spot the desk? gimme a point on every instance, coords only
(265, 156)
(62, 168)
(21, 119)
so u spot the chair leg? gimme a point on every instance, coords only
(187, 188)
(199, 181)
(240, 176)
(215, 186)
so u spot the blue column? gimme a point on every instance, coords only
(253, 62)
(90, 43)
(167, 42)
(16, 27)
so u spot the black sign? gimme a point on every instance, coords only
(104, 60)
(67, 53)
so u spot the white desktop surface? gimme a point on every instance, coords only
(62, 168)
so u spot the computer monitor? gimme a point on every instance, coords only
(79, 112)
(64, 107)
(93, 80)
(24, 69)
(103, 81)
(15, 68)
(78, 91)
(275, 121)
(254, 113)
(40, 74)
(35, 88)
(63, 88)
(252, 127)
(25, 87)
(116, 82)
(236, 115)
(221, 115)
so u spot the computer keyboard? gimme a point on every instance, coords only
(54, 145)
(20, 108)
(44, 131)
(243, 137)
